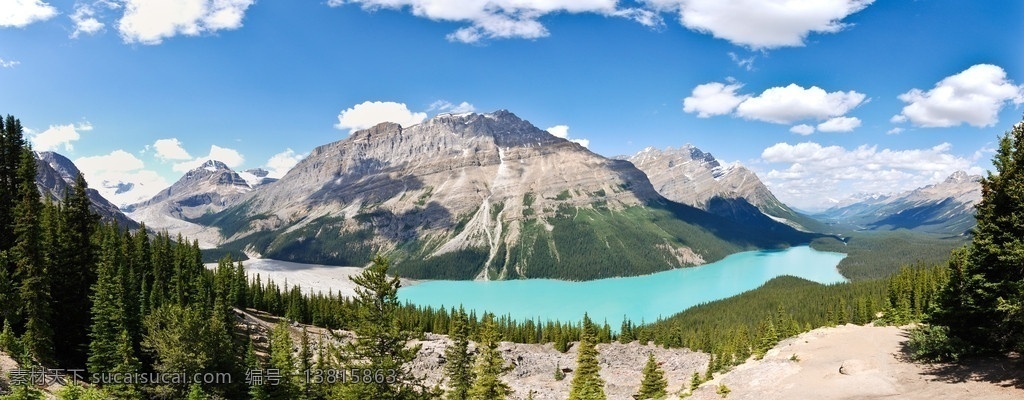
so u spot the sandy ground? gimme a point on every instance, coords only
(863, 362)
(312, 278)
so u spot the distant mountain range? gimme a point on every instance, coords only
(55, 176)
(485, 196)
(945, 208)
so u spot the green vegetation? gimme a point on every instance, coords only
(653, 384)
(487, 384)
(459, 361)
(586, 381)
(981, 307)
(876, 255)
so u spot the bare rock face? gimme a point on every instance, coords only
(693, 177)
(55, 176)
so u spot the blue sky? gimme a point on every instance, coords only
(821, 98)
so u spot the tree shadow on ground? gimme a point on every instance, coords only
(1006, 371)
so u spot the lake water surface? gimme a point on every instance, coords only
(638, 298)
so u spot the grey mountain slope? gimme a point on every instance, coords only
(206, 189)
(942, 208)
(487, 194)
(55, 176)
(693, 177)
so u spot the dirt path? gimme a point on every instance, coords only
(862, 362)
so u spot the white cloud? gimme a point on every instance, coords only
(445, 106)
(713, 98)
(802, 129)
(785, 105)
(152, 21)
(230, 157)
(503, 19)
(562, 131)
(807, 174)
(762, 24)
(170, 149)
(745, 63)
(974, 96)
(85, 21)
(21, 13)
(367, 114)
(120, 177)
(839, 124)
(894, 131)
(55, 137)
(280, 163)
(8, 63)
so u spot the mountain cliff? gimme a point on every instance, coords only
(486, 196)
(942, 208)
(693, 177)
(55, 176)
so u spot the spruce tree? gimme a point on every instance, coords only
(257, 389)
(128, 363)
(586, 382)
(108, 313)
(35, 291)
(695, 381)
(305, 365)
(983, 302)
(380, 343)
(654, 383)
(459, 362)
(487, 383)
(77, 264)
(282, 360)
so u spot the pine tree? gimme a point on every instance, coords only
(282, 360)
(695, 381)
(983, 302)
(128, 363)
(195, 392)
(587, 383)
(35, 291)
(487, 383)
(257, 390)
(108, 313)
(305, 365)
(654, 383)
(77, 262)
(380, 343)
(459, 362)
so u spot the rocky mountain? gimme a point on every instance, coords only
(256, 177)
(207, 189)
(693, 177)
(485, 196)
(55, 175)
(942, 208)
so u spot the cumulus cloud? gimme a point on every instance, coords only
(894, 131)
(780, 105)
(280, 163)
(714, 98)
(802, 174)
(152, 21)
(802, 129)
(56, 137)
(230, 157)
(120, 177)
(974, 96)
(503, 19)
(839, 124)
(445, 106)
(370, 113)
(21, 13)
(785, 105)
(562, 131)
(170, 149)
(762, 24)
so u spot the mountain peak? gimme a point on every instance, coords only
(959, 177)
(212, 165)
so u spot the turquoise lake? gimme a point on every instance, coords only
(638, 298)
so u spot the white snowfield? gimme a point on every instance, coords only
(312, 278)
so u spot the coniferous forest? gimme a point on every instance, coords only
(84, 297)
